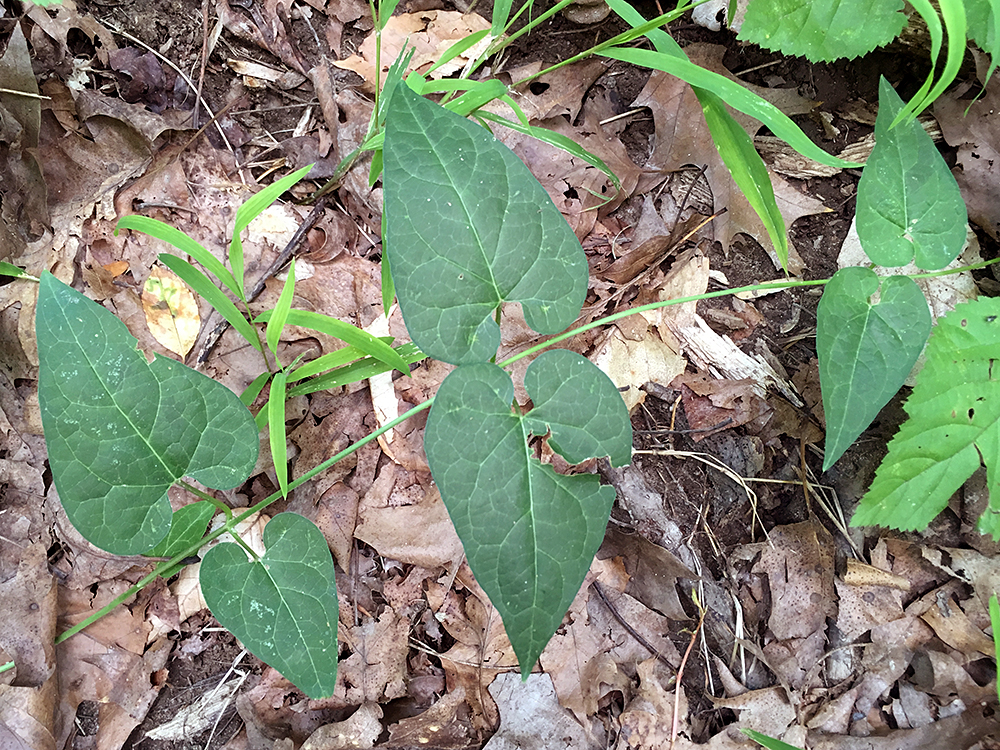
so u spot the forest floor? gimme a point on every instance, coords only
(825, 635)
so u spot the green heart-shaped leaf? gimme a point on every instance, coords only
(283, 607)
(467, 228)
(866, 349)
(908, 201)
(120, 430)
(530, 534)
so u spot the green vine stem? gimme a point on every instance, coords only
(167, 568)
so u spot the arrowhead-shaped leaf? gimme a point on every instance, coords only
(908, 201)
(467, 228)
(120, 430)
(530, 534)
(953, 425)
(283, 607)
(866, 349)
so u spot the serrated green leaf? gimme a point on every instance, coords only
(983, 19)
(120, 430)
(866, 349)
(909, 204)
(282, 607)
(529, 534)
(468, 227)
(953, 425)
(822, 30)
(189, 525)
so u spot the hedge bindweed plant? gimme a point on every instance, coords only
(466, 230)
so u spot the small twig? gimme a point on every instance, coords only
(680, 673)
(632, 631)
(663, 430)
(29, 94)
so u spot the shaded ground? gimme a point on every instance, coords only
(724, 497)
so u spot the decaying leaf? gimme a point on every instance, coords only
(171, 311)
(430, 32)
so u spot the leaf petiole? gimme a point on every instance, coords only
(205, 496)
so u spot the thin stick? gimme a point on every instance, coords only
(680, 673)
(632, 631)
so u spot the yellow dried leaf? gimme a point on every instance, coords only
(171, 311)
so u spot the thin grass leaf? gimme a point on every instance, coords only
(558, 140)
(501, 12)
(336, 358)
(769, 742)
(462, 45)
(276, 433)
(9, 269)
(733, 94)
(934, 28)
(261, 419)
(953, 13)
(392, 79)
(747, 168)
(188, 246)
(250, 211)
(388, 286)
(385, 11)
(201, 284)
(279, 315)
(370, 345)
(478, 96)
(253, 390)
(375, 169)
(354, 373)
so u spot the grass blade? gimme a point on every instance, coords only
(370, 345)
(353, 373)
(276, 433)
(280, 313)
(329, 361)
(177, 238)
(250, 211)
(732, 94)
(201, 284)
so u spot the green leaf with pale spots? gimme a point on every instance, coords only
(282, 607)
(120, 430)
(953, 427)
(529, 533)
(468, 227)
